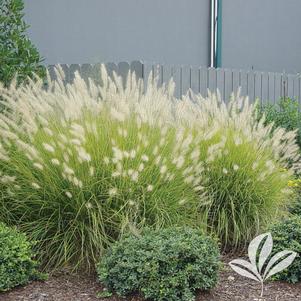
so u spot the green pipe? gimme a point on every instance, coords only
(218, 59)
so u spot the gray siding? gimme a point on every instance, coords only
(263, 34)
(90, 31)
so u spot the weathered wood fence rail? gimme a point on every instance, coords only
(267, 86)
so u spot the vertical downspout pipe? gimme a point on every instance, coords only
(218, 61)
(215, 33)
(212, 33)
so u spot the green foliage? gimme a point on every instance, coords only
(87, 186)
(295, 207)
(18, 56)
(16, 264)
(284, 114)
(162, 265)
(81, 166)
(287, 236)
(244, 187)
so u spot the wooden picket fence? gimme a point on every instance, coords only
(268, 87)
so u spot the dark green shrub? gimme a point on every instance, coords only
(295, 207)
(18, 56)
(287, 236)
(16, 264)
(284, 114)
(162, 265)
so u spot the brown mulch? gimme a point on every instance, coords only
(231, 287)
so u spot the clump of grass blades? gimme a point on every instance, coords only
(81, 165)
(245, 189)
(79, 169)
(245, 169)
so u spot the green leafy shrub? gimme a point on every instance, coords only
(18, 56)
(295, 207)
(80, 166)
(287, 236)
(16, 264)
(284, 114)
(162, 265)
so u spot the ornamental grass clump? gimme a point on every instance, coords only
(246, 167)
(82, 164)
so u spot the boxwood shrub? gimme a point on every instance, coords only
(287, 236)
(161, 265)
(17, 266)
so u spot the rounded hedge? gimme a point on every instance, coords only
(16, 264)
(287, 236)
(162, 265)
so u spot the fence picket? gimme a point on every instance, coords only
(65, 68)
(166, 74)
(123, 71)
(296, 87)
(212, 79)
(176, 75)
(257, 86)
(195, 80)
(137, 67)
(96, 73)
(251, 85)
(228, 84)
(243, 82)
(111, 67)
(203, 82)
(220, 78)
(147, 69)
(264, 88)
(185, 79)
(72, 69)
(86, 71)
(290, 85)
(158, 71)
(278, 86)
(271, 87)
(235, 80)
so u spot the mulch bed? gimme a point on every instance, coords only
(231, 287)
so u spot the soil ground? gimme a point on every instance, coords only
(231, 287)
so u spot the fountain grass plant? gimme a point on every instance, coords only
(82, 164)
(246, 166)
(79, 167)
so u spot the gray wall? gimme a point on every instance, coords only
(89, 31)
(263, 34)
(256, 34)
